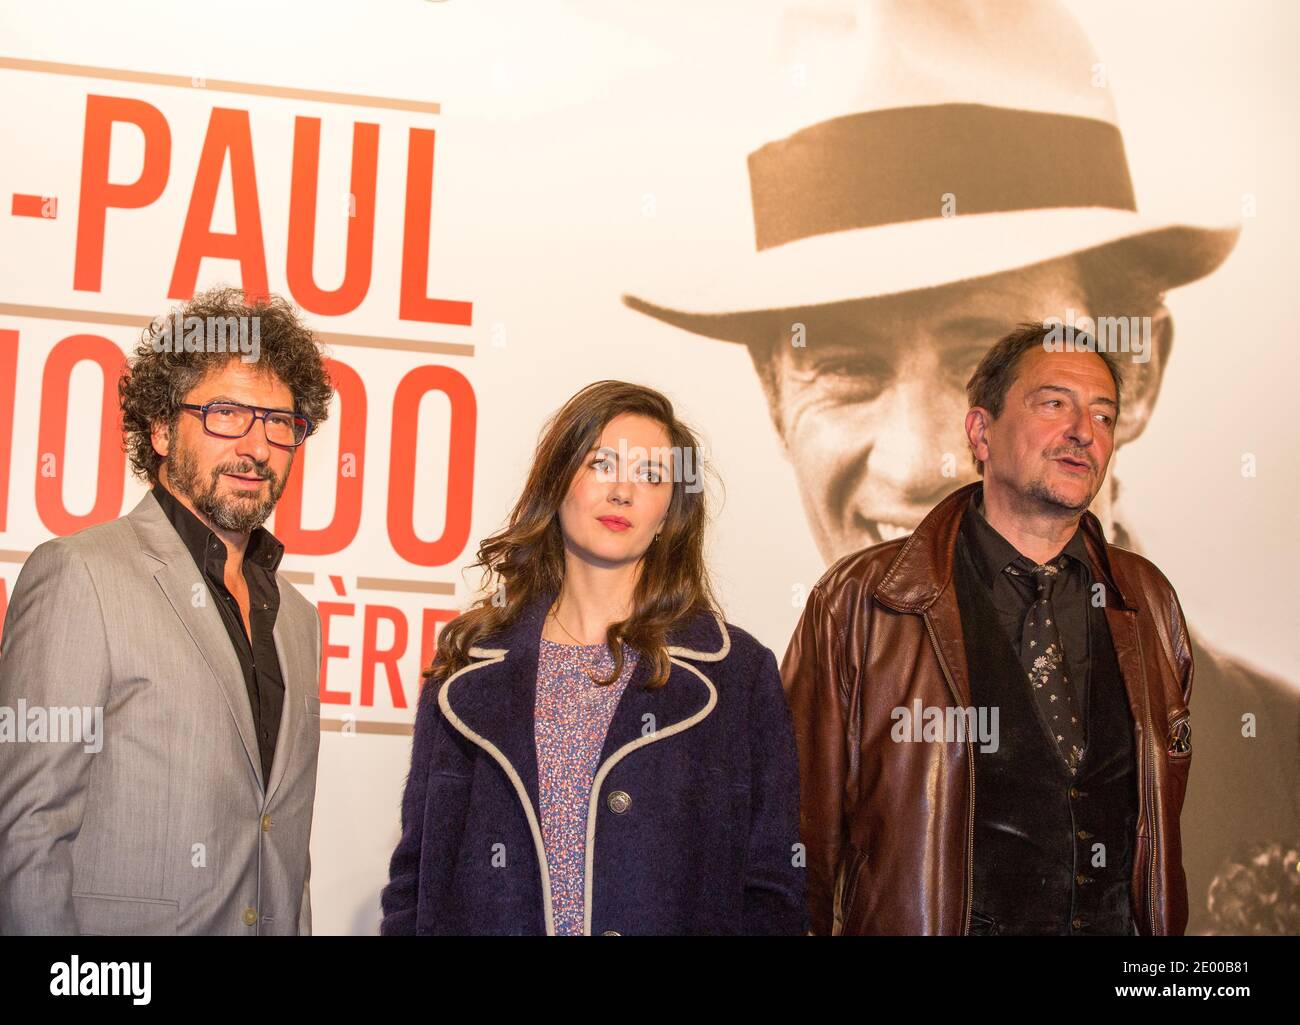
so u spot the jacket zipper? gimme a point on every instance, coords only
(846, 888)
(969, 899)
(1150, 784)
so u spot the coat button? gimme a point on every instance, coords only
(1084, 835)
(611, 932)
(1081, 879)
(266, 823)
(250, 916)
(619, 802)
(1077, 923)
(1074, 791)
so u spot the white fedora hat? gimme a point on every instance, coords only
(956, 139)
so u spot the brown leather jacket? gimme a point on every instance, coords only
(889, 827)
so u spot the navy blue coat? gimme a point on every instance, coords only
(707, 844)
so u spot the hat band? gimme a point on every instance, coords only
(914, 163)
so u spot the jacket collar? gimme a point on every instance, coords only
(922, 569)
(496, 700)
(263, 550)
(992, 553)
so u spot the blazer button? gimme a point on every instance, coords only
(250, 916)
(611, 932)
(266, 823)
(1077, 923)
(619, 802)
(1074, 792)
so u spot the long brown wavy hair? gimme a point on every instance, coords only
(526, 557)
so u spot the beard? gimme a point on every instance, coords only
(1044, 495)
(1047, 498)
(238, 512)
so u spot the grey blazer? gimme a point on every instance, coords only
(167, 828)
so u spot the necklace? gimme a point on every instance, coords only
(556, 616)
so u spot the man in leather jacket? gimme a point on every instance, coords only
(992, 712)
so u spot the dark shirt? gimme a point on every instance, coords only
(258, 660)
(991, 553)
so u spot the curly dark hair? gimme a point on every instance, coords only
(159, 376)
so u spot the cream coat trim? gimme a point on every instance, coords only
(593, 802)
(706, 656)
(494, 656)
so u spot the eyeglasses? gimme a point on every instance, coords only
(234, 420)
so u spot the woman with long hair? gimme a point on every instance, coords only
(596, 749)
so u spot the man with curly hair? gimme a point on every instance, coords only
(187, 806)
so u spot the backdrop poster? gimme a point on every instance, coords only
(483, 206)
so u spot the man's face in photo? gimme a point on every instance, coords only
(1049, 446)
(234, 483)
(871, 408)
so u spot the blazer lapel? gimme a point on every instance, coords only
(291, 653)
(177, 576)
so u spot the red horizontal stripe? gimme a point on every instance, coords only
(34, 206)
